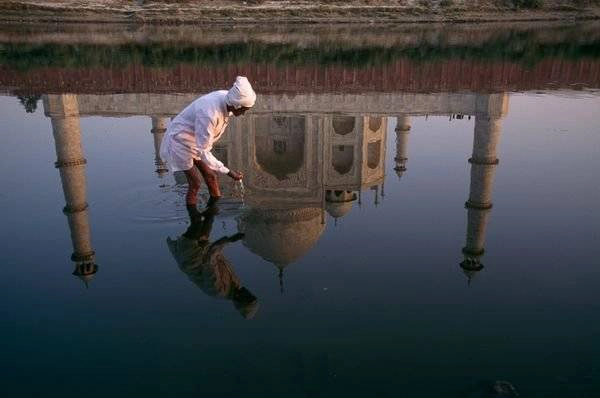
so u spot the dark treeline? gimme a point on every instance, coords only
(518, 47)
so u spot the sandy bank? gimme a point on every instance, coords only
(258, 11)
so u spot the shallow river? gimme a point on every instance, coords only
(420, 216)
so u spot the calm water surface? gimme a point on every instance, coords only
(424, 235)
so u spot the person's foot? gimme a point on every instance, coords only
(212, 201)
(211, 211)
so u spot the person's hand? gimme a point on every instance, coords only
(236, 175)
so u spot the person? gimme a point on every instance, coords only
(206, 266)
(192, 133)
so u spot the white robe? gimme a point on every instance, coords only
(192, 134)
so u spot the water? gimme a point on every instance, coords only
(346, 263)
(242, 191)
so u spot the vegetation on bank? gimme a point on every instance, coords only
(519, 47)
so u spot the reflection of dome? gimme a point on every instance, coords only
(281, 236)
(85, 271)
(339, 203)
(337, 210)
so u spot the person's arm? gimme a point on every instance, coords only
(222, 242)
(204, 128)
(213, 163)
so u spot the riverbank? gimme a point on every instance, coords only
(410, 58)
(261, 11)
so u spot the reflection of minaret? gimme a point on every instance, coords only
(402, 130)
(64, 113)
(483, 167)
(159, 126)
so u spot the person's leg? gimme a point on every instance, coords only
(211, 179)
(193, 178)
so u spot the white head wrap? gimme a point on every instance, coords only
(241, 94)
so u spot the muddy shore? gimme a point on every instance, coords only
(320, 12)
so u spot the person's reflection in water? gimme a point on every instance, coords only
(204, 263)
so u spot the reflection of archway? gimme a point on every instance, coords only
(375, 123)
(373, 154)
(279, 144)
(343, 125)
(342, 158)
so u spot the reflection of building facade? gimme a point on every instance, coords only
(297, 167)
(299, 162)
(303, 159)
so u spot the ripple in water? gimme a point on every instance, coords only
(165, 204)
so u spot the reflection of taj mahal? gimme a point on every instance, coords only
(299, 161)
(297, 167)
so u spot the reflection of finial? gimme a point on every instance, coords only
(376, 189)
(359, 199)
(281, 280)
(472, 263)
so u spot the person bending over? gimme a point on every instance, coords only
(192, 133)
